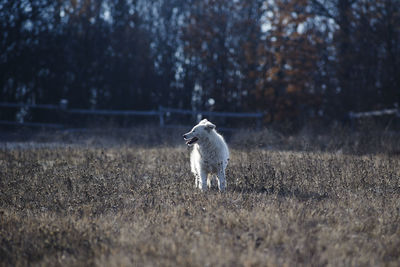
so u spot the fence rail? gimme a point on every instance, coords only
(33, 124)
(160, 113)
(23, 105)
(114, 112)
(357, 115)
(213, 113)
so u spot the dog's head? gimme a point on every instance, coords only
(199, 132)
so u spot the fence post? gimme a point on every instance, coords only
(62, 109)
(161, 115)
(63, 104)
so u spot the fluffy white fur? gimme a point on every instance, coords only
(210, 155)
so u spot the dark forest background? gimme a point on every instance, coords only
(299, 59)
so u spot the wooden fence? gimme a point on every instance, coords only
(161, 113)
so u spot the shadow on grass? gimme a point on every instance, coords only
(284, 192)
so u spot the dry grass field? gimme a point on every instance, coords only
(87, 201)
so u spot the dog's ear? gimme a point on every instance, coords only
(209, 126)
(203, 121)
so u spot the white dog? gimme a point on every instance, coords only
(210, 155)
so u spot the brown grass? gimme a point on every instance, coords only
(122, 205)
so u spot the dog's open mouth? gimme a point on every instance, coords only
(192, 140)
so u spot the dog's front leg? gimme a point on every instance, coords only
(203, 180)
(197, 180)
(209, 180)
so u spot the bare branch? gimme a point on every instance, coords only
(322, 10)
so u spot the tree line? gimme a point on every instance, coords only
(292, 59)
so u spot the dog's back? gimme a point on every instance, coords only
(212, 155)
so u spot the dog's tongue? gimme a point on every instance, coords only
(191, 141)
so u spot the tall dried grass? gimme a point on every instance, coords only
(92, 201)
